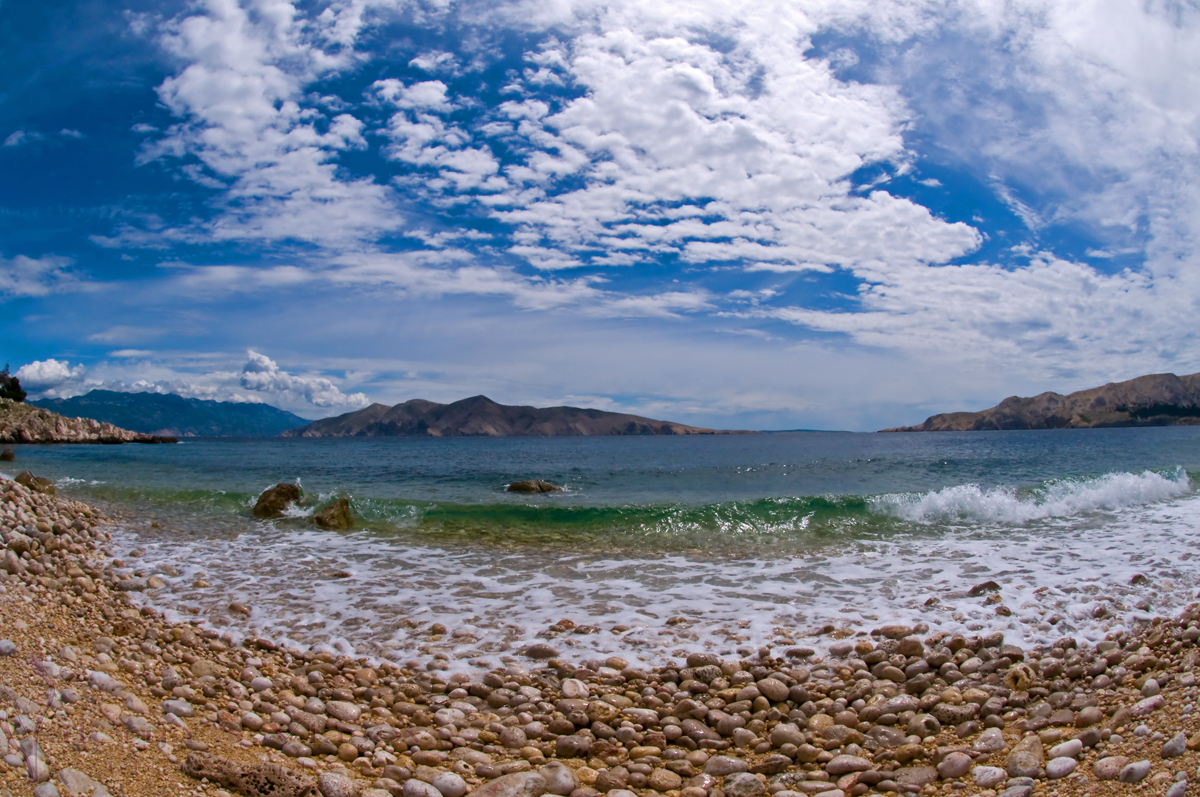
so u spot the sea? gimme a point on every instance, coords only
(742, 545)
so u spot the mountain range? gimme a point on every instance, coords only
(479, 416)
(1153, 400)
(167, 414)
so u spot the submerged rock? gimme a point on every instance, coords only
(335, 515)
(276, 499)
(533, 486)
(8, 455)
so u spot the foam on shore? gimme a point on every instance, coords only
(1065, 556)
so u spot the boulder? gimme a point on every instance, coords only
(38, 484)
(250, 779)
(335, 515)
(533, 486)
(8, 455)
(276, 499)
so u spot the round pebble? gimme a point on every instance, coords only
(1060, 767)
(7, 647)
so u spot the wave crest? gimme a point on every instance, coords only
(1059, 498)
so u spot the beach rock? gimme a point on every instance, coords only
(988, 777)
(46, 790)
(1134, 772)
(1147, 706)
(1070, 749)
(336, 515)
(250, 779)
(451, 784)
(989, 741)
(343, 710)
(1175, 747)
(843, 764)
(7, 647)
(518, 784)
(1060, 767)
(36, 768)
(1109, 768)
(419, 788)
(572, 746)
(743, 784)
(533, 486)
(38, 484)
(274, 500)
(333, 784)
(8, 455)
(915, 776)
(559, 779)
(786, 733)
(954, 766)
(725, 765)
(76, 783)
(1026, 758)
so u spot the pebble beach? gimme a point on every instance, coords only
(100, 696)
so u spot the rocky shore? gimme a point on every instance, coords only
(100, 698)
(25, 423)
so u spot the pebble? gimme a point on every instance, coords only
(1060, 767)
(1135, 772)
(7, 647)
(1178, 789)
(334, 784)
(1150, 688)
(954, 766)
(1070, 749)
(743, 784)
(1175, 747)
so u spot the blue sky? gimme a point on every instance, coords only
(765, 215)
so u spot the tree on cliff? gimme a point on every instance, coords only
(10, 386)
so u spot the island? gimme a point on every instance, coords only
(1152, 400)
(479, 416)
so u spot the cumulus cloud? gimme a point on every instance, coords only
(43, 375)
(262, 374)
(28, 276)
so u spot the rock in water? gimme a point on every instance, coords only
(533, 486)
(336, 515)
(38, 484)
(7, 455)
(276, 499)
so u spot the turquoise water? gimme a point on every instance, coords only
(758, 540)
(736, 491)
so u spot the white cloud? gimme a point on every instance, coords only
(262, 374)
(43, 375)
(28, 276)
(67, 132)
(241, 102)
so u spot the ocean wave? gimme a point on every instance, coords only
(1054, 499)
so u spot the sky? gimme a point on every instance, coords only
(767, 215)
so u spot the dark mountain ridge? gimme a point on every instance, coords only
(479, 416)
(176, 416)
(1152, 400)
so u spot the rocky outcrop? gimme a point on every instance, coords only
(336, 515)
(1154, 400)
(479, 416)
(533, 486)
(24, 423)
(274, 500)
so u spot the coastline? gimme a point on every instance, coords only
(124, 697)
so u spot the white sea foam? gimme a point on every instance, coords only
(1066, 569)
(1057, 499)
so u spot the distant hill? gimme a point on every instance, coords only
(176, 416)
(1155, 400)
(481, 417)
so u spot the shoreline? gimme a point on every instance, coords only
(124, 697)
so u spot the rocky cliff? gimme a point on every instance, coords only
(481, 417)
(1154, 400)
(24, 423)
